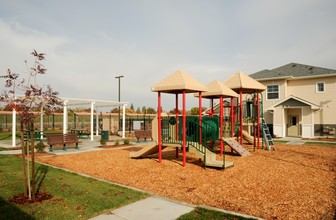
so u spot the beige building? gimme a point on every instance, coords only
(300, 100)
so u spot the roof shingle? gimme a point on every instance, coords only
(292, 70)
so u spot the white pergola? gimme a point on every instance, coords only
(68, 102)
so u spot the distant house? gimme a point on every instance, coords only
(300, 100)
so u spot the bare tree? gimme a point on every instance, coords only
(33, 97)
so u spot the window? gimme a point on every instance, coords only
(320, 87)
(273, 92)
(293, 121)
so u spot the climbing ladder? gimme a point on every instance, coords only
(267, 136)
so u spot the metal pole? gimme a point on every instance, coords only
(118, 77)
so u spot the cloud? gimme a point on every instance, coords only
(147, 41)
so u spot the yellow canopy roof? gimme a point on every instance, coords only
(216, 89)
(177, 82)
(242, 81)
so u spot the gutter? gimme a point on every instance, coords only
(296, 78)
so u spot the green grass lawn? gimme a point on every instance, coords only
(5, 135)
(202, 214)
(280, 141)
(74, 196)
(331, 144)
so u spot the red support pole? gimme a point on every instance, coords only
(212, 108)
(221, 112)
(232, 117)
(177, 123)
(258, 118)
(184, 128)
(200, 115)
(241, 117)
(176, 116)
(255, 127)
(159, 128)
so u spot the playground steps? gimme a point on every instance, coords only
(210, 159)
(267, 136)
(236, 147)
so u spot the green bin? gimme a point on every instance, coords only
(105, 135)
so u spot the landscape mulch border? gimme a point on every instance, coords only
(293, 182)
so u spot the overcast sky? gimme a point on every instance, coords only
(88, 43)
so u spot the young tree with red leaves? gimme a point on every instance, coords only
(33, 96)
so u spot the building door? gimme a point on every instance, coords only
(293, 126)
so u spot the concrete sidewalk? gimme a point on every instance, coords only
(85, 145)
(151, 208)
(293, 140)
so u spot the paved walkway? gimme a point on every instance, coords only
(293, 140)
(151, 208)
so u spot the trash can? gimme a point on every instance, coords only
(104, 135)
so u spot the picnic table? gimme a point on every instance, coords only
(80, 132)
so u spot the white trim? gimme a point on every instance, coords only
(297, 78)
(316, 87)
(267, 92)
(312, 105)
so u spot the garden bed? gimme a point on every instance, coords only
(293, 182)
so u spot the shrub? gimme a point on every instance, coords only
(126, 141)
(40, 147)
(103, 142)
(117, 143)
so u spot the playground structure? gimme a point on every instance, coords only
(197, 133)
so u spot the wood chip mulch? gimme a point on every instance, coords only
(293, 182)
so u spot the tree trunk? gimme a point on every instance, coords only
(25, 181)
(33, 161)
(27, 162)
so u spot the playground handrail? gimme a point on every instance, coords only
(170, 136)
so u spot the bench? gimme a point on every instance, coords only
(62, 139)
(143, 134)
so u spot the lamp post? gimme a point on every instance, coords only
(118, 77)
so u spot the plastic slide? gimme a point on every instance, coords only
(210, 160)
(149, 149)
(236, 147)
(247, 137)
